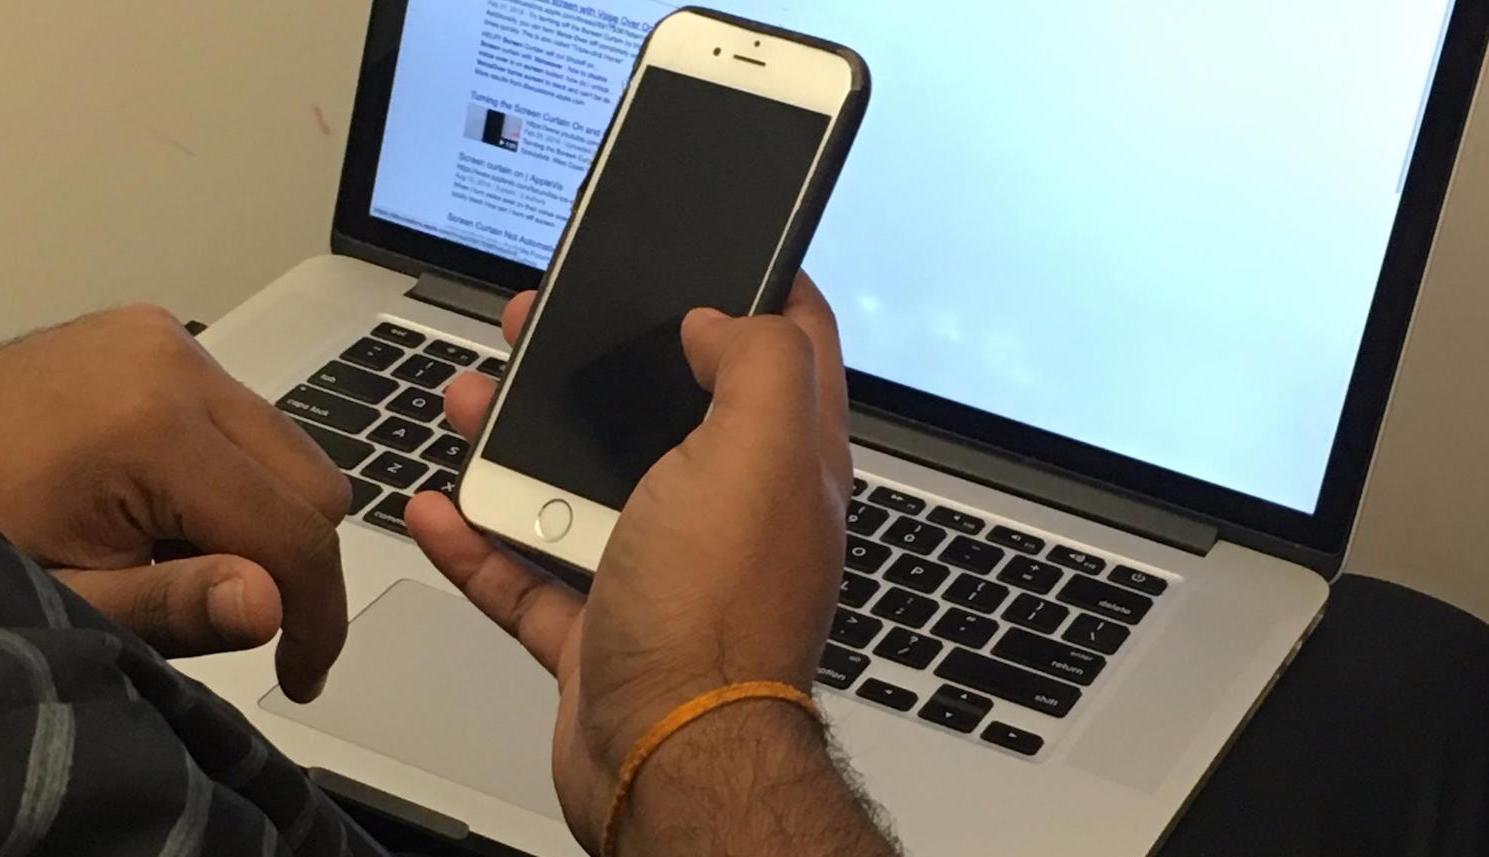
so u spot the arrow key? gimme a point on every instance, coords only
(956, 709)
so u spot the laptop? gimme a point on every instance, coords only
(1122, 287)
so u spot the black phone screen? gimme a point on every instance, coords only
(688, 211)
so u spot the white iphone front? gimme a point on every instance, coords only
(697, 198)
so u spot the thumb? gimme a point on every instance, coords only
(762, 365)
(188, 607)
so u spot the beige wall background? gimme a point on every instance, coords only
(187, 152)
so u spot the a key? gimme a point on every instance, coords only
(401, 434)
(1103, 599)
(1009, 682)
(424, 371)
(1078, 560)
(442, 481)
(909, 648)
(1139, 580)
(354, 383)
(1011, 538)
(328, 410)
(417, 404)
(398, 334)
(854, 629)
(1013, 738)
(905, 607)
(956, 708)
(971, 555)
(859, 486)
(1043, 616)
(865, 519)
(449, 451)
(1027, 573)
(841, 667)
(389, 514)
(959, 521)
(887, 694)
(371, 354)
(451, 352)
(493, 366)
(856, 590)
(363, 492)
(911, 535)
(976, 593)
(1102, 635)
(345, 452)
(1049, 656)
(967, 629)
(865, 556)
(897, 500)
(922, 575)
(393, 469)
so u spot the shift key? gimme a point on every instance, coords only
(1009, 682)
(321, 407)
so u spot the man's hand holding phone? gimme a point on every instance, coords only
(724, 568)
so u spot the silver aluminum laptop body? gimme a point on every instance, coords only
(436, 707)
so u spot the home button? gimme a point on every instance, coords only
(555, 520)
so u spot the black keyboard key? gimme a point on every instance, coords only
(1013, 738)
(865, 556)
(442, 481)
(854, 629)
(452, 352)
(354, 383)
(398, 334)
(493, 366)
(371, 354)
(1139, 580)
(1027, 573)
(841, 667)
(445, 426)
(1078, 560)
(1102, 635)
(905, 607)
(971, 555)
(1050, 657)
(887, 694)
(922, 575)
(1103, 599)
(389, 513)
(401, 434)
(967, 629)
(1009, 682)
(1043, 616)
(393, 469)
(864, 519)
(424, 371)
(959, 521)
(449, 451)
(328, 410)
(856, 590)
(975, 593)
(345, 452)
(1011, 538)
(914, 536)
(363, 492)
(956, 708)
(898, 501)
(417, 404)
(909, 648)
(859, 486)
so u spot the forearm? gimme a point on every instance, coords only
(754, 779)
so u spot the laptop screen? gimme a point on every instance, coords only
(1153, 227)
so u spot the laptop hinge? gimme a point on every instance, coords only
(1032, 482)
(455, 296)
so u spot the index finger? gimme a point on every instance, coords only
(809, 309)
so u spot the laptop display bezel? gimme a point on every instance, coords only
(1325, 532)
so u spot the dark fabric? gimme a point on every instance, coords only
(107, 751)
(1376, 741)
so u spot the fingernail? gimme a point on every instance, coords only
(708, 313)
(225, 609)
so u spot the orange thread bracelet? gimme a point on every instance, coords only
(681, 716)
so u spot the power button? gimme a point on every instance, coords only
(554, 521)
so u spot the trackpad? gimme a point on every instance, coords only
(429, 681)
